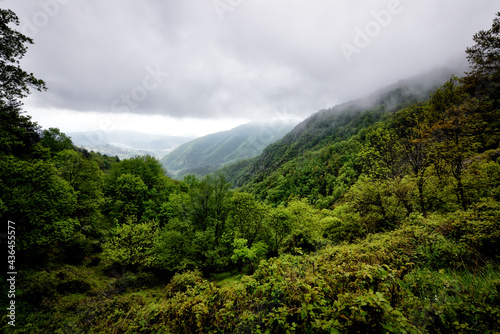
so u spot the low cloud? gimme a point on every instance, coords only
(234, 59)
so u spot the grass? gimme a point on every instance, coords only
(227, 279)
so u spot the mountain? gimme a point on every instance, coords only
(127, 144)
(330, 126)
(205, 155)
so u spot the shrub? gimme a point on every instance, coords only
(131, 244)
(479, 228)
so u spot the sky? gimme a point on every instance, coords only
(194, 67)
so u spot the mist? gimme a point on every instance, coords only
(233, 61)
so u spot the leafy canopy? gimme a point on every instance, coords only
(15, 82)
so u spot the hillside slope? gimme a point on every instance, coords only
(209, 153)
(334, 125)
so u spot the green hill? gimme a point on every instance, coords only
(328, 127)
(205, 155)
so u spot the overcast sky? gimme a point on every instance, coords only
(194, 67)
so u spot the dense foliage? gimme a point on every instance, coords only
(388, 221)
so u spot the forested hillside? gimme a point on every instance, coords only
(383, 219)
(207, 154)
(335, 125)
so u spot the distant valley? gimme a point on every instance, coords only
(127, 144)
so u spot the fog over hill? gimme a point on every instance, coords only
(337, 123)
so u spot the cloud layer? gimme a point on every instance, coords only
(236, 58)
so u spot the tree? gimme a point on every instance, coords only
(126, 198)
(306, 231)
(455, 145)
(55, 140)
(85, 177)
(380, 154)
(455, 124)
(148, 168)
(174, 246)
(209, 202)
(242, 254)
(202, 203)
(18, 134)
(483, 82)
(381, 204)
(40, 202)
(132, 244)
(152, 188)
(413, 136)
(247, 217)
(220, 207)
(15, 82)
(278, 222)
(484, 57)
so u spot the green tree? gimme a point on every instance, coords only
(381, 154)
(279, 225)
(377, 204)
(148, 168)
(209, 201)
(40, 202)
(142, 193)
(178, 207)
(484, 57)
(126, 198)
(306, 231)
(202, 202)
(15, 82)
(247, 217)
(55, 140)
(85, 177)
(19, 135)
(174, 247)
(132, 244)
(455, 130)
(483, 82)
(413, 135)
(220, 206)
(243, 255)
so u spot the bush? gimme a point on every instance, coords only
(339, 231)
(131, 244)
(183, 281)
(479, 228)
(39, 287)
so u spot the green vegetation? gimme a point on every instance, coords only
(388, 221)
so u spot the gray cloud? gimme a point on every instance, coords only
(254, 58)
